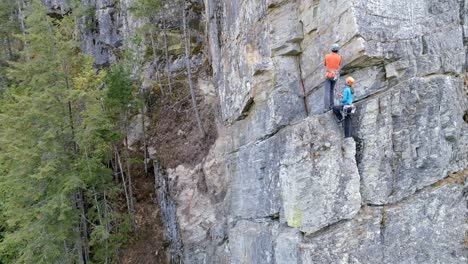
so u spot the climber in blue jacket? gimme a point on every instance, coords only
(347, 97)
(346, 100)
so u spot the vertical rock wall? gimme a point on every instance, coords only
(281, 185)
(284, 187)
(106, 26)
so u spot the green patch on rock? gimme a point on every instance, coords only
(372, 171)
(296, 219)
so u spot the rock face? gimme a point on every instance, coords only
(104, 25)
(58, 7)
(400, 233)
(410, 137)
(317, 159)
(281, 185)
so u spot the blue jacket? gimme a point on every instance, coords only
(347, 98)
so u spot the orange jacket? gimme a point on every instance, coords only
(332, 62)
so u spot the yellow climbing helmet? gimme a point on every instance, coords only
(350, 81)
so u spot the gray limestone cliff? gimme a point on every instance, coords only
(104, 26)
(280, 184)
(283, 186)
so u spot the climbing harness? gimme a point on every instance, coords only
(332, 74)
(337, 84)
(348, 110)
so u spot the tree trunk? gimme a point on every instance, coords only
(158, 76)
(107, 228)
(130, 185)
(79, 246)
(168, 72)
(8, 42)
(156, 168)
(128, 190)
(102, 221)
(20, 4)
(153, 46)
(155, 60)
(189, 71)
(145, 143)
(80, 204)
(83, 224)
(115, 167)
(124, 127)
(124, 181)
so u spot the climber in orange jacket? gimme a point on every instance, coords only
(332, 63)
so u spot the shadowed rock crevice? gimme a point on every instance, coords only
(248, 106)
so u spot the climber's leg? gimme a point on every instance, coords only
(348, 129)
(337, 112)
(326, 95)
(332, 93)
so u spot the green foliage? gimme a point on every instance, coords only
(89, 18)
(8, 19)
(55, 142)
(119, 89)
(146, 8)
(10, 26)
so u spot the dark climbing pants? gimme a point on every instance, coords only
(348, 129)
(328, 99)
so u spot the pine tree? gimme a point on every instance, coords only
(119, 104)
(188, 63)
(56, 140)
(9, 44)
(10, 26)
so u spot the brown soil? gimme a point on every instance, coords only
(173, 130)
(147, 245)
